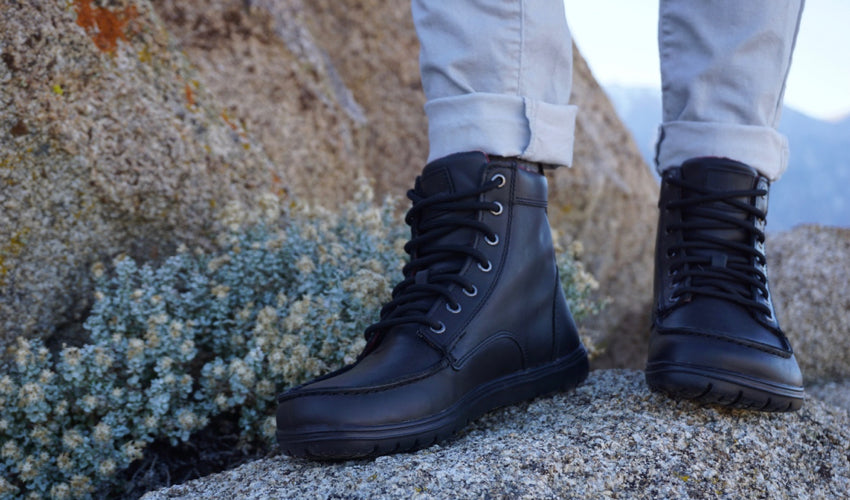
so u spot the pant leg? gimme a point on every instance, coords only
(497, 76)
(723, 69)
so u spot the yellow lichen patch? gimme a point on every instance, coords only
(58, 90)
(15, 244)
(104, 26)
(145, 55)
(11, 248)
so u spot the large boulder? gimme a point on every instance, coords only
(108, 143)
(331, 89)
(810, 281)
(611, 438)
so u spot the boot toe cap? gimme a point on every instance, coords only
(724, 370)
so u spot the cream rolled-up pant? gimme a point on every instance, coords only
(497, 76)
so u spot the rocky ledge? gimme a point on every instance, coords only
(610, 438)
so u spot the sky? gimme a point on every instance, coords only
(622, 49)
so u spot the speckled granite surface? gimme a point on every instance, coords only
(810, 278)
(611, 438)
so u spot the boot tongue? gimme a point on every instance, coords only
(720, 174)
(452, 174)
(456, 173)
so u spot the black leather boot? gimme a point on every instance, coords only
(715, 337)
(479, 321)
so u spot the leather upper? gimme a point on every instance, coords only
(711, 331)
(514, 317)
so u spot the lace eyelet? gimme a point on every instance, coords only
(499, 210)
(500, 178)
(486, 269)
(494, 241)
(439, 329)
(471, 293)
(454, 310)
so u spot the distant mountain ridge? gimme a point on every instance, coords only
(814, 189)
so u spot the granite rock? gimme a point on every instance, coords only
(316, 83)
(810, 281)
(108, 144)
(836, 393)
(611, 438)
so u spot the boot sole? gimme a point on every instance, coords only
(723, 388)
(367, 442)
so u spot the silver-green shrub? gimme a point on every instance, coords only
(202, 333)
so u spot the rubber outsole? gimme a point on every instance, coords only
(722, 388)
(368, 442)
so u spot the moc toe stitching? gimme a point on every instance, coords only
(726, 337)
(401, 382)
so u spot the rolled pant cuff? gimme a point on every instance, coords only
(762, 148)
(502, 125)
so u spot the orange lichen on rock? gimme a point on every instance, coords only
(190, 95)
(104, 26)
(227, 121)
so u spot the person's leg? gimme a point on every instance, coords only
(723, 69)
(715, 336)
(480, 319)
(497, 77)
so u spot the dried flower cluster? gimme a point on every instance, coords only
(172, 346)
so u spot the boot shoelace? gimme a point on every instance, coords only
(434, 266)
(725, 269)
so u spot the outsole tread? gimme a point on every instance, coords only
(725, 394)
